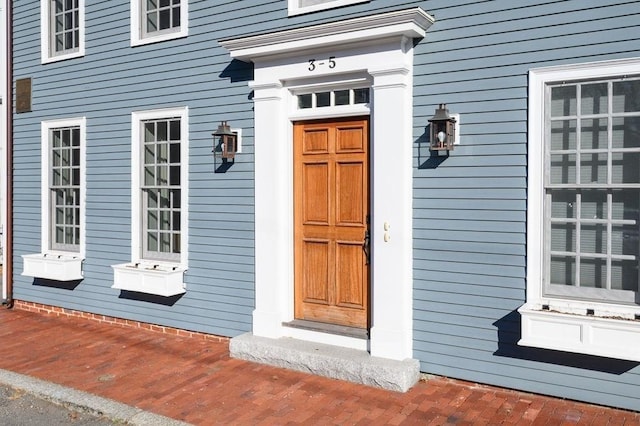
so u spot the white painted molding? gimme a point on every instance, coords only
(410, 23)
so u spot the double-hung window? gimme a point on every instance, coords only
(160, 188)
(159, 194)
(158, 20)
(63, 208)
(62, 29)
(64, 189)
(584, 209)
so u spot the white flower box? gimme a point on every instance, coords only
(58, 267)
(161, 280)
(610, 337)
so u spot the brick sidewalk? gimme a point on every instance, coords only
(194, 380)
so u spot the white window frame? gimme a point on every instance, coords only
(46, 128)
(138, 37)
(602, 328)
(296, 9)
(58, 264)
(46, 43)
(137, 118)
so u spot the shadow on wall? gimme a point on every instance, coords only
(62, 285)
(150, 298)
(509, 334)
(238, 71)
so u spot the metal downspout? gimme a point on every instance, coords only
(8, 249)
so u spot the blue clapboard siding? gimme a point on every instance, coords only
(469, 211)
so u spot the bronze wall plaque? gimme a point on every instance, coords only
(23, 95)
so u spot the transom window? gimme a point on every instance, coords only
(161, 189)
(65, 189)
(333, 98)
(592, 189)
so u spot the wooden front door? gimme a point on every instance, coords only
(331, 190)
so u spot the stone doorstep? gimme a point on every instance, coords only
(326, 360)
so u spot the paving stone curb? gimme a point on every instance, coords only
(84, 401)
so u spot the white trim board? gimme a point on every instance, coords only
(380, 49)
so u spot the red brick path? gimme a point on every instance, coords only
(194, 380)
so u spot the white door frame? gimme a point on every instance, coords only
(378, 48)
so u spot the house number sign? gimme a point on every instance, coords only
(314, 64)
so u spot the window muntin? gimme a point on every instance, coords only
(160, 16)
(65, 189)
(592, 189)
(154, 21)
(332, 98)
(161, 193)
(61, 29)
(65, 26)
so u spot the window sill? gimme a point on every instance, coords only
(59, 267)
(161, 280)
(610, 337)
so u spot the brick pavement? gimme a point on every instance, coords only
(194, 380)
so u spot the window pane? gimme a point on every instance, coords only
(625, 167)
(361, 96)
(176, 221)
(593, 238)
(624, 240)
(175, 18)
(174, 154)
(152, 241)
(342, 97)
(174, 130)
(624, 275)
(626, 96)
(563, 101)
(323, 99)
(161, 129)
(149, 176)
(626, 204)
(593, 204)
(152, 219)
(563, 204)
(594, 98)
(563, 237)
(563, 135)
(152, 22)
(304, 101)
(149, 132)
(593, 273)
(175, 175)
(165, 242)
(563, 168)
(563, 270)
(593, 168)
(152, 199)
(626, 132)
(165, 19)
(593, 133)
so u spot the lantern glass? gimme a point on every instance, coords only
(442, 134)
(228, 141)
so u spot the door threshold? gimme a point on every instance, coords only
(322, 327)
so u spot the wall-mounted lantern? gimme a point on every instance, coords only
(443, 130)
(225, 142)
